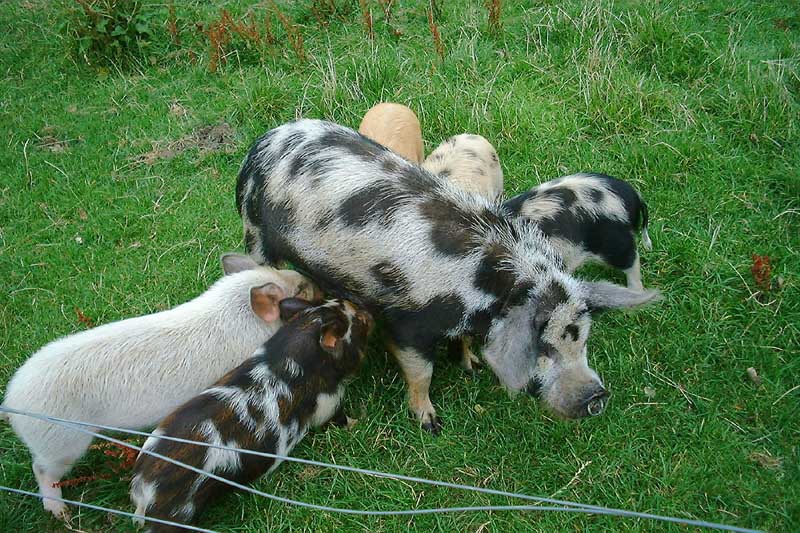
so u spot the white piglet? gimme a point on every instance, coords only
(134, 372)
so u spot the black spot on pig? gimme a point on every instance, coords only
(597, 195)
(513, 206)
(391, 277)
(565, 224)
(357, 145)
(290, 143)
(478, 323)
(422, 327)
(471, 154)
(257, 167)
(325, 219)
(612, 240)
(370, 204)
(491, 276)
(564, 195)
(389, 165)
(630, 198)
(416, 182)
(453, 230)
(278, 215)
(553, 295)
(278, 219)
(310, 165)
(246, 174)
(518, 295)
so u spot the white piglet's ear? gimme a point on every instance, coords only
(233, 263)
(265, 301)
(602, 295)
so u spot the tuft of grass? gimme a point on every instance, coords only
(109, 32)
(117, 199)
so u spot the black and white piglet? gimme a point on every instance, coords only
(293, 382)
(589, 217)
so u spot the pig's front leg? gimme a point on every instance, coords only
(416, 363)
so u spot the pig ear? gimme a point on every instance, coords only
(233, 263)
(330, 338)
(264, 301)
(291, 306)
(601, 295)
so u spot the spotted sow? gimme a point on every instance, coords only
(435, 261)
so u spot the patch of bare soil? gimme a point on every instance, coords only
(208, 139)
(47, 140)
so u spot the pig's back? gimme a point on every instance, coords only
(358, 218)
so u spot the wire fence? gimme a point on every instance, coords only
(553, 505)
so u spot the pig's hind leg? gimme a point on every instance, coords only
(54, 449)
(48, 473)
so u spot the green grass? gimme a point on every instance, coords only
(696, 103)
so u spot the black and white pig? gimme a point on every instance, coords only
(295, 381)
(435, 261)
(589, 217)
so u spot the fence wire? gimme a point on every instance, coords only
(554, 504)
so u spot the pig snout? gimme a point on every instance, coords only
(595, 403)
(570, 396)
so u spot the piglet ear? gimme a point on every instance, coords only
(233, 263)
(291, 306)
(601, 295)
(264, 301)
(330, 339)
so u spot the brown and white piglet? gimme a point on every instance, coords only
(295, 381)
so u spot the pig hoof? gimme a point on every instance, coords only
(470, 362)
(351, 423)
(433, 426)
(59, 509)
(340, 420)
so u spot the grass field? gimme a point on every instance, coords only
(109, 207)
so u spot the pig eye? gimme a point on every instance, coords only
(571, 331)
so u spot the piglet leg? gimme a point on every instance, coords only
(634, 275)
(47, 475)
(468, 358)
